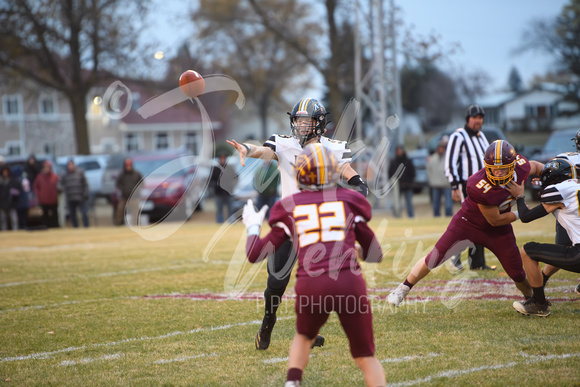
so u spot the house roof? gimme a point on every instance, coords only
(496, 99)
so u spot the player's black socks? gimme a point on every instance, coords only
(546, 278)
(272, 300)
(539, 295)
(410, 285)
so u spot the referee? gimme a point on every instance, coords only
(464, 157)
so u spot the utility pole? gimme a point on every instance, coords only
(377, 87)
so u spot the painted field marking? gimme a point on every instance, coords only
(456, 373)
(409, 358)
(88, 360)
(184, 358)
(46, 355)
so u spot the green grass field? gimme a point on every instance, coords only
(104, 306)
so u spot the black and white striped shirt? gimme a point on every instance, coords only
(464, 155)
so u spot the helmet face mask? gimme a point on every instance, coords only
(500, 155)
(316, 168)
(302, 129)
(556, 171)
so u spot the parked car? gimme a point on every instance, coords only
(94, 168)
(163, 190)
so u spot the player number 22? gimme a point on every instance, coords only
(324, 222)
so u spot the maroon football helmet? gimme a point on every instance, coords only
(500, 155)
(316, 168)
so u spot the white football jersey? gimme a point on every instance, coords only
(287, 148)
(573, 157)
(568, 193)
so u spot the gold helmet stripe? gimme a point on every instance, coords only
(320, 157)
(498, 146)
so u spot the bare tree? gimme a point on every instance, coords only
(239, 45)
(561, 38)
(69, 46)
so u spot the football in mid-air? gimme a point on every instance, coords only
(191, 83)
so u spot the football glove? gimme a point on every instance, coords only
(252, 219)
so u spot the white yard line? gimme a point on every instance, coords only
(88, 360)
(409, 358)
(183, 358)
(456, 373)
(46, 355)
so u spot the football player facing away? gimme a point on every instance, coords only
(562, 237)
(323, 222)
(484, 218)
(308, 121)
(560, 195)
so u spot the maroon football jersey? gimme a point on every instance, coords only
(481, 191)
(323, 226)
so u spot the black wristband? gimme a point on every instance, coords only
(358, 181)
(247, 147)
(454, 186)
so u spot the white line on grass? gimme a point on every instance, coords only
(45, 355)
(88, 360)
(101, 275)
(456, 373)
(408, 358)
(183, 358)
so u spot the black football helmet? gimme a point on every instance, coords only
(500, 154)
(474, 111)
(316, 168)
(556, 171)
(576, 140)
(310, 108)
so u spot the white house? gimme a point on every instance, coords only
(537, 109)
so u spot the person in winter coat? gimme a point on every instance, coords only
(127, 180)
(76, 189)
(9, 193)
(407, 177)
(46, 187)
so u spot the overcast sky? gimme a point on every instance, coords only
(487, 31)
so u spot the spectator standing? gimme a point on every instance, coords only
(9, 194)
(266, 182)
(127, 181)
(223, 180)
(76, 189)
(46, 187)
(407, 178)
(31, 169)
(438, 182)
(463, 158)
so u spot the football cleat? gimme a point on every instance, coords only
(396, 297)
(292, 383)
(265, 331)
(577, 289)
(531, 307)
(318, 342)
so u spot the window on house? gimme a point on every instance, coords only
(11, 105)
(47, 106)
(131, 142)
(13, 148)
(161, 141)
(191, 142)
